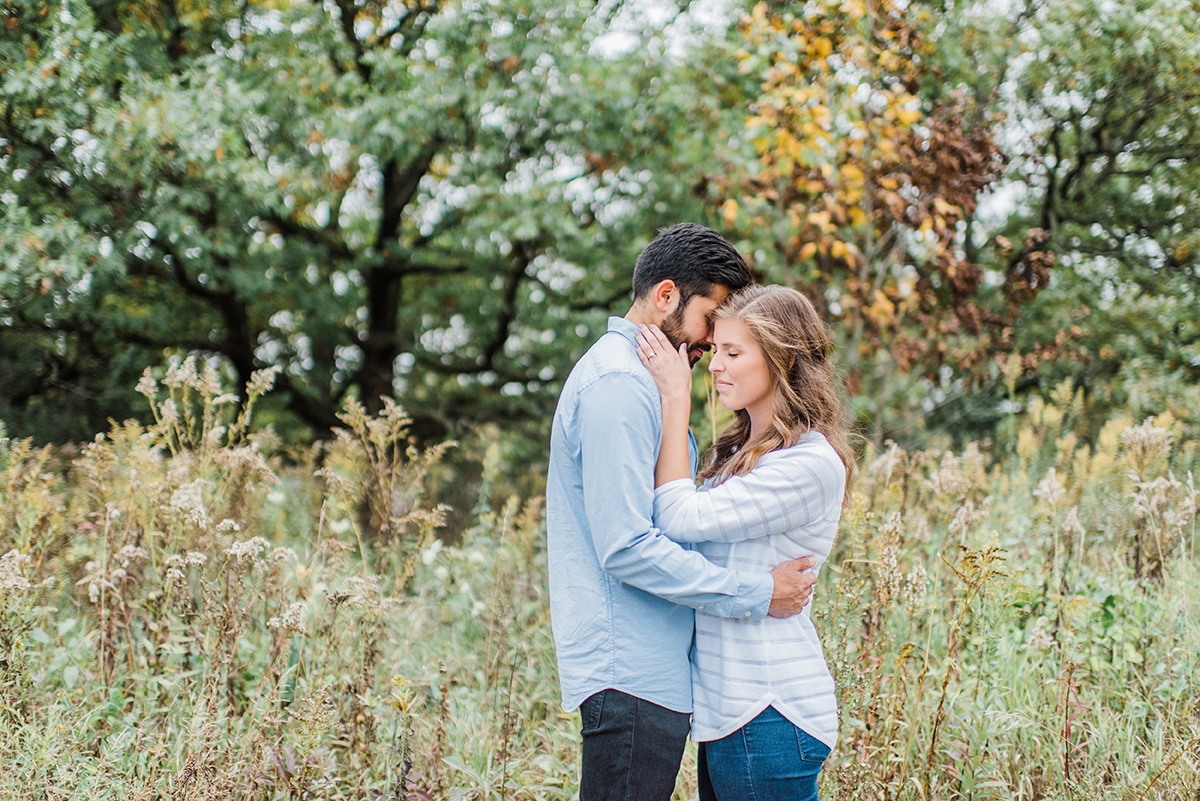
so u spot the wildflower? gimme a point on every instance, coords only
(183, 374)
(228, 524)
(402, 694)
(175, 575)
(196, 558)
(1151, 498)
(175, 561)
(967, 516)
(189, 500)
(279, 554)
(1039, 638)
(248, 550)
(147, 385)
(168, 411)
(1072, 525)
(208, 382)
(119, 574)
(949, 481)
(97, 584)
(364, 591)
(132, 553)
(972, 461)
(246, 459)
(1146, 441)
(12, 572)
(225, 398)
(1050, 491)
(915, 584)
(291, 621)
(215, 435)
(888, 577)
(263, 380)
(887, 463)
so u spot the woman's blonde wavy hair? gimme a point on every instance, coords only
(796, 347)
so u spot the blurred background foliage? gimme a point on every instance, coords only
(383, 226)
(442, 201)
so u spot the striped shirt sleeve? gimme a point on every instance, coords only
(786, 491)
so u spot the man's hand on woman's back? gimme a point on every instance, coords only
(793, 587)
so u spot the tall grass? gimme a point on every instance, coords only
(192, 611)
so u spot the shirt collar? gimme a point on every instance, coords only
(619, 325)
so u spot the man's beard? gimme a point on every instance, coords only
(672, 327)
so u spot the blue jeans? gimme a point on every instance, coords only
(631, 748)
(768, 759)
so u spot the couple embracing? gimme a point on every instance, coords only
(677, 607)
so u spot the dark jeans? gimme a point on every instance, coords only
(768, 759)
(631, 748)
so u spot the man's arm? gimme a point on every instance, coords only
(619, 441)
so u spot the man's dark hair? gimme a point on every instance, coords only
(692, 256)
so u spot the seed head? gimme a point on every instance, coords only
(132, 553)
(1039, 638)
(915, 584)
(189, 500)
(1050, 491)
(12, 572)
(248, 550)
(1146, 441)
(183, 374)
(291, 621)
(147, 385)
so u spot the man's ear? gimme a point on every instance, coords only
(664, 295)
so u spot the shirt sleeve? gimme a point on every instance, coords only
(619, 439)
(786, 491)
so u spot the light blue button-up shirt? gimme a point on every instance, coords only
(621, 594)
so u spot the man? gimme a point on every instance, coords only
(621, 595)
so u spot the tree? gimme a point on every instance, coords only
(1100, 102)
(433, 200)
(863, 186)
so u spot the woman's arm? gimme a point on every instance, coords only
(786, 490)
(672, 373)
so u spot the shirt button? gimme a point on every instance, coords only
(701, 606)
(747, 613)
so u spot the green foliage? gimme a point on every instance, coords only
(186, 612)
(436, 201)
(1008, 626)
(1099, 102)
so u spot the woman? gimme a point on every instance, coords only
(765, 714)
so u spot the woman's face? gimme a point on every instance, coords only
(743, 381)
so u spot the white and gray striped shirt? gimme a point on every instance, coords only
(788, 506)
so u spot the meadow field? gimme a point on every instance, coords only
(191, 610)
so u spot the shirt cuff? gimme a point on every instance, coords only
(755, 591)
